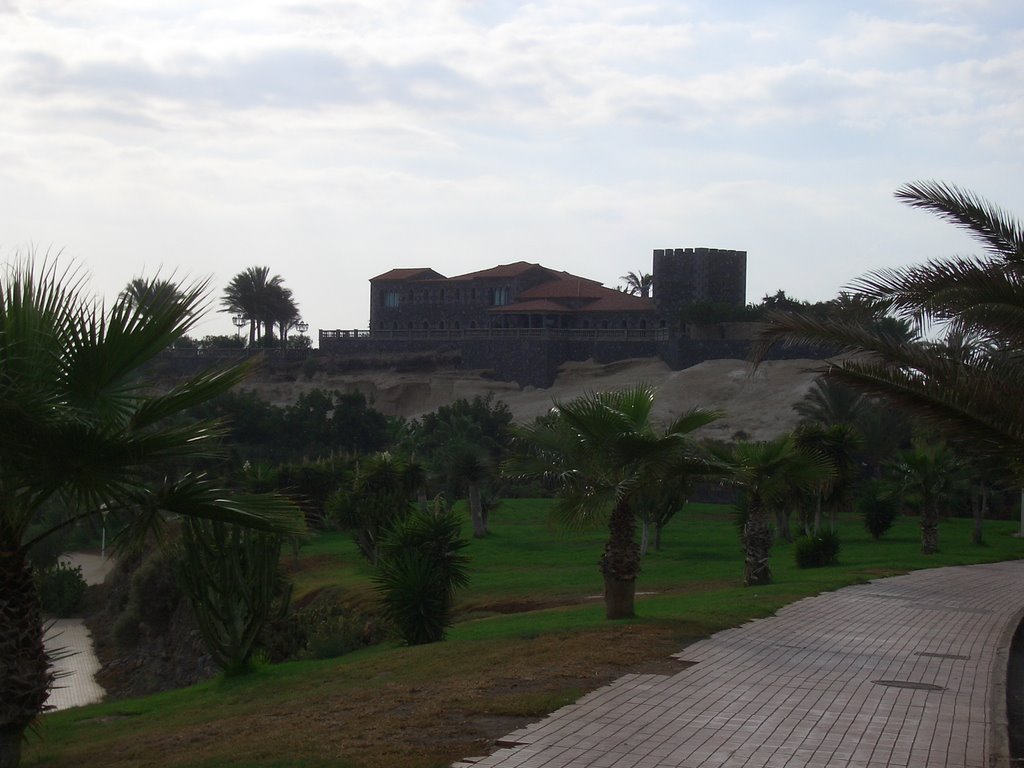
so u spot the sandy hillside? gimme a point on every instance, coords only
(758, 404)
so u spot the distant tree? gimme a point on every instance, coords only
(638, 283)
(149, 295)
(322, 422)
(262, 299)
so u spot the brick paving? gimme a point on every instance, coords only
(76, 664)
(897, 672)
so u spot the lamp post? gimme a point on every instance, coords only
(239, 323)
(302, 326)
(103, 539)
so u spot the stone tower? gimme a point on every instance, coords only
(707, 275)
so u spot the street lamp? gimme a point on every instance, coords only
(239, 323)
(302, 326)
(103, 542)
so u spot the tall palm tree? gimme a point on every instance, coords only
(973, 399)
(769, 474)
(638, 283)
(262, 299)
(603, 451)
(78, 426)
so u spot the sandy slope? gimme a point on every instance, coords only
(758, 404)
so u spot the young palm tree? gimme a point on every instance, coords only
(79, 426)
(770, 474)
(974, 399)
(928, 474)
(603, 451)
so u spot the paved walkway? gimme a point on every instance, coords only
(76, 665)
(898, 672)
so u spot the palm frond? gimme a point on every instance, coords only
(1001, 233)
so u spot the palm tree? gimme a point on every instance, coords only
(77, 426)
(973, 399)
(770, 474)
(262, 299)
(929, 473)
(603, 451)
(144, 293)
(638, 283)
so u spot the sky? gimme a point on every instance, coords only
(333, 141)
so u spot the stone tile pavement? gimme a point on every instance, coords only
(898, 672)
(77, 664)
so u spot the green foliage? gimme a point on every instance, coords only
(381, 493)
(230, 576)
(61, 589)
(334, 630)
(420, 568)
(879, 506)
(816, 551)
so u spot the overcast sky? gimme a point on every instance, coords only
(332, 141)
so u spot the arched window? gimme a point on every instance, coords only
(472, 323)
(426, 325)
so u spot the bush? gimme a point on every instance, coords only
(334, 631)
(61, 589)
(818, 550)
(420, 569)
(879, 511)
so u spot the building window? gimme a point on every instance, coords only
(394, 325)
(472, 324)
(457, 325)
(499, 296)
(441, 295)
(392, 298)
(412, 295)
(604, 325)
(458, 295)
(426, 325)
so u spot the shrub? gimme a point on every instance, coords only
(334, 631)
(818, 550)
(61, 589)
(879, 510)
(420, 569)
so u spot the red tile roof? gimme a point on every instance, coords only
(538, 305)
(616, 301)
(422, 273)
(505, 270)
(566, 287)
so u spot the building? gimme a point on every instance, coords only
(530, 296)
(521, 321)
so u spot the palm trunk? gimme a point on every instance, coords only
(929, 528)
(476, 512)
(757, 544)
(25, 676)
(645, 536)
(620, 564)
(657, 536)
(979, 509)
(817, 513)
(782, 523)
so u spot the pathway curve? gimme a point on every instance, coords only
(76, 664)
(907, 671)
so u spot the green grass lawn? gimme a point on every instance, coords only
(530, 637)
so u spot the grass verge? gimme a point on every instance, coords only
(531, 637)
